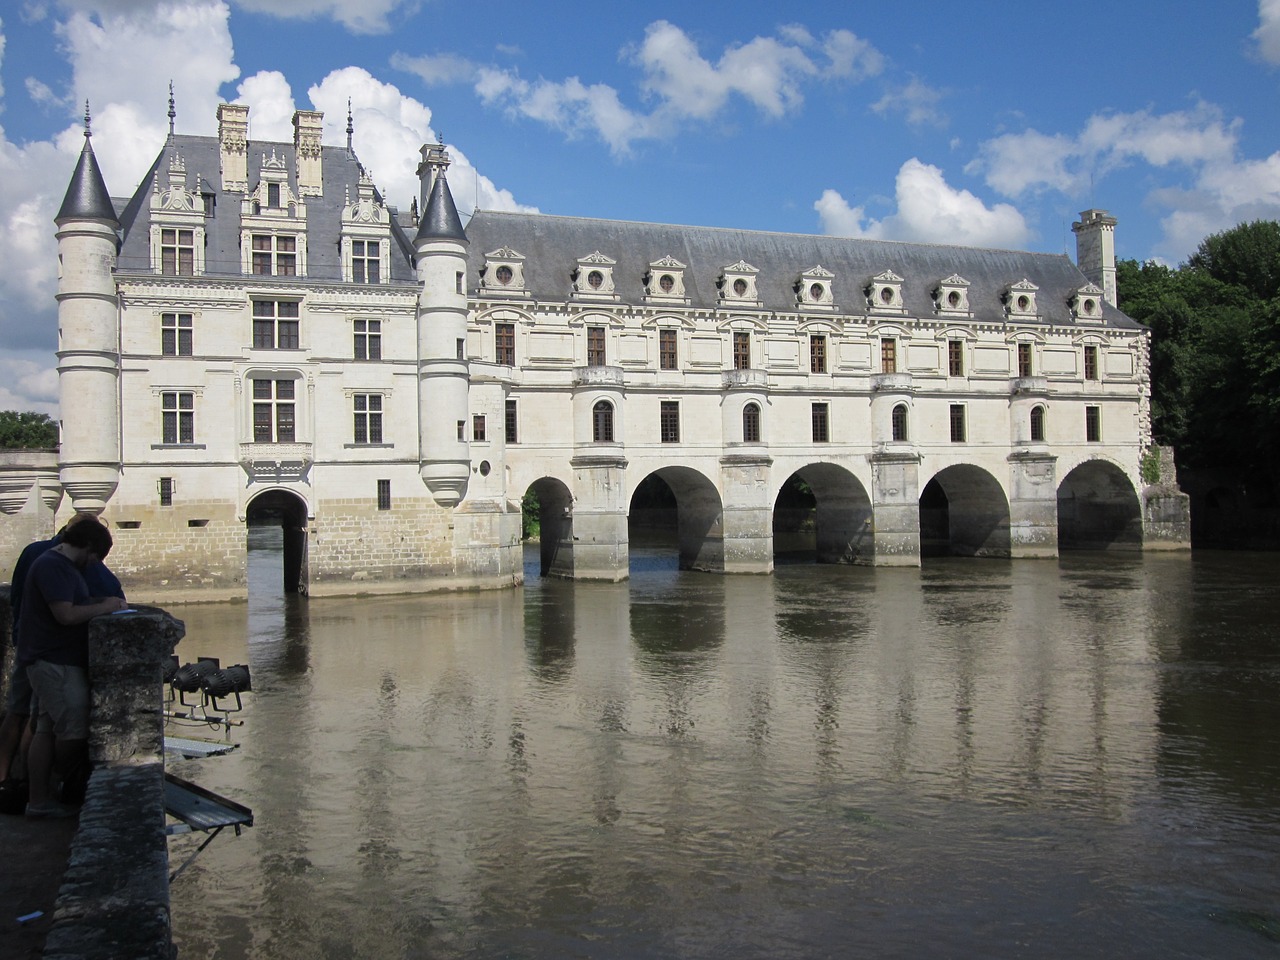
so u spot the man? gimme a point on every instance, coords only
(102, 583)
(53, 645)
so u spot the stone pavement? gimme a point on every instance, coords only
(33, 859)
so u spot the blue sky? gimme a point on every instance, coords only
(991, 124)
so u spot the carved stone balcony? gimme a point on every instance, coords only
(597, 376)
(891, 383)
(747, 379)
(1029, 386)
(276, 462)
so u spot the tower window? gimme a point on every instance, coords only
(504, 344)
(817, 354)
(1037, 424)
(512, 422)
(667, 350)
(1024, 359)
(899, 422)
(751, 423)
(602, 422)
(955, 356)
(478, 432)
(742, 351)
(888, 355)
(1091, 362)
(595, 346)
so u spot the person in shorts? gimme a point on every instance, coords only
(53, 645)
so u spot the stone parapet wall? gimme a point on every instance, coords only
(199, 547)
(351, 540)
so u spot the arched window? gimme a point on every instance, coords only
(751, 423)
(900, 422)
(1037, 424)
(602, 422)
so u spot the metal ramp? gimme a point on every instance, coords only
(196, 808)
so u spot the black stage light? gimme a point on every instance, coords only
(170, 668)
(223, 683)
(188, 677)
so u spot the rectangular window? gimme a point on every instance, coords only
(667, 350)
(478, 432)
(368, 417)
(742, 351)
(365, 261)
(1091, 363)
(177, 253)
(274, 255)
(512, 423)
(275, 324)
(820, 417)
(273, 411)
(273, 195)
(165, 489)
(175, 334)
(595, 346)
(1093, 424)
(368, 339)
(178, 418)
(1024, 359)
(462, 431)
(888, 355)
(670, 421)
(955, 358)
(504, 344)
(957, 423)
(817, 354)
(384, 494)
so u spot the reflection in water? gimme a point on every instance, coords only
(973, 759)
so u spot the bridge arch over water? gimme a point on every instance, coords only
(823, 512)
(1098, 509)
(964, 512)
(283, 508)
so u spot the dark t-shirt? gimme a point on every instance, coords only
(52, 578)
(101, 581)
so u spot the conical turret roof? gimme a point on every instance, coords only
(440, 221)
(87, 197)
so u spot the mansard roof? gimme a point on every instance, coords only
(340, 185)
(440, 221)
(87, 197)
(553, 245)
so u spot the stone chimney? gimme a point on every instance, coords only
(1096, 250)
(233, 146)
(435, 161)
(306, 148)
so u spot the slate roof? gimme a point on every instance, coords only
(553, 245)
(340, 183)
(87, 197)
(441, 220)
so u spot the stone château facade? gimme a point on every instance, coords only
(255, 333)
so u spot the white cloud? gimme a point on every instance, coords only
(270, 101)
(358, 16)
(1268, 32)
(916, 101)
(769, 73)
(1219, 188)
(436, 69)
(929, 210)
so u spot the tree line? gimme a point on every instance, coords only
(1215, 347)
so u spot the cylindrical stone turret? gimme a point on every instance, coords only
(88, 338)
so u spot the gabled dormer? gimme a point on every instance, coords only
(884, 294)
(503, 274)
(737, 283)
(366, 236)
(593, 278)
(273, 225)
(664, 281)
(1020, 300)
(1086, 304)
(177, 225)
(951, 297)
(814, 290)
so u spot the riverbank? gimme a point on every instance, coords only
(33, 855)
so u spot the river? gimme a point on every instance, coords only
(974, 759)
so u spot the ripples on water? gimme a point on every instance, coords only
(973, 759)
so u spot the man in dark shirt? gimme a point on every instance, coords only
(101, 582)
(53, 644)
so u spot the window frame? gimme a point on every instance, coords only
(384, 494)
(1093, 424)
(1037, 418)
(273, 254)
(368, 415)
(284, 321)
(1026, 366)
(596, 342)
(366, 261)
(741, 350)
(669, 421)
(955, 358)
(1091, 361)
(177, 252)
(817, 353)
(602, 422)
(280, 423)
(511, 422)
(177, 418)
(820, 421)
(751, 422)
(899, 423)
(888, 355)
(957, 423)
(176, 336)
(668, 347)
(504, 344)
(366, 339)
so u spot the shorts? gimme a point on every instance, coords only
(19, 692)
(61, 701)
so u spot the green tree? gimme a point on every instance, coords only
(27, 431)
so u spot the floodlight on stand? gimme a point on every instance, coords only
(232, 681)
(189, 678)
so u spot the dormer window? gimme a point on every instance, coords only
(1020, 300)
(366, 236)
(273, 226)
(503, 273)
(177, 226)
(738, 285)
(951, 298)
(273, 196)
(664, 282)
(813, 289)
(884, 293)
(593, 279)
(1086, 304)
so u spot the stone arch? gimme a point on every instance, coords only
(964, 512)
(1098, 509)
(555, 526)
(698, 515)
(288, 511)
(823, 511)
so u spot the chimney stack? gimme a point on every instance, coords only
(233, 146)
(1096, 250)
(307, 126)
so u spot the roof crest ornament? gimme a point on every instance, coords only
(173, 113)
(87, 133)
(350, 128)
